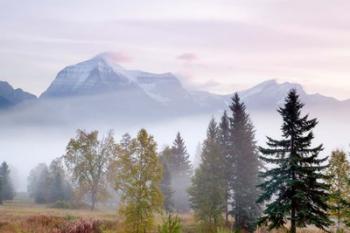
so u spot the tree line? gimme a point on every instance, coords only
(237, 184)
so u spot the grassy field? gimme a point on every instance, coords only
(25, 217)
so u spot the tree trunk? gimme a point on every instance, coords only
(93, 201)
(293, 228)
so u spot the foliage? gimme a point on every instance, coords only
(170, 225)
(165, 186)
(139, 174)
(243, 160)
(88, 159)
(339, 178)
(207, 193)
(49, 185)
(295, 185)
(7, 190)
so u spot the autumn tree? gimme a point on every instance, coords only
(294, 185)
(138, 177)
(208, 189)
(88, 158)
(339, 178)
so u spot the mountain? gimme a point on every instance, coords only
(101, 76)
(11, 97)
(271, 94)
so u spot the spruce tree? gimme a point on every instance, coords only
(243, 158)
(181, 171)
(207, 193)
(228, 160)
(294, 187)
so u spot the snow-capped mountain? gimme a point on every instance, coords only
(10, 96)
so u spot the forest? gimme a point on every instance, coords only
(133, 186)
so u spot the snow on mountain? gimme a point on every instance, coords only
(10, 96)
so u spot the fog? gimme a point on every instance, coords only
(24, 145)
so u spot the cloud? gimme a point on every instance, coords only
(119, 57)
(188, 57)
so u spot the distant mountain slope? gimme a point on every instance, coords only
(270, 94)
(11, 97)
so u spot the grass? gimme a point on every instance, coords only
(25, 217)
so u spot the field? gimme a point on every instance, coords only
(25, 217)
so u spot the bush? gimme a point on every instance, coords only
(61, 205)
(170, 225)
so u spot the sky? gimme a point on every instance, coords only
(220, 46)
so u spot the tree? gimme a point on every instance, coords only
(244, 162)
(7, 187)
(138, 177)
(166, 188)
(59, 187)
(295, 183)
(339, 178)
(1, 199)
(180, 169)
(207, 193)
(226, 145)
(88, 160)
(39, 183)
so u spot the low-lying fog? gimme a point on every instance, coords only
(24, 146)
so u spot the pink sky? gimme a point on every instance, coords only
(219, 46)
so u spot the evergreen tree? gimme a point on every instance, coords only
(181, 171)
(166, 181)
(59, 188)
(207, 193)
(295, 186)
(139, 173)
(243, 157)
(339, 178)
(226, 144)
(180, 159)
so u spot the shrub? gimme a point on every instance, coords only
(170, 225)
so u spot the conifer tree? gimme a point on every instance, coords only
(1, 199)
(207, 193)
(339, 178)
(294, 187)
(180, 169)
(244, 162)
(228, 159)
(138, 177)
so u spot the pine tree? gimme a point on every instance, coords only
(181, 171)
(339, 178)
(295, 186)
(139, 173)
(7, 187)
(226, 144)
(243, 158)
(207, 193)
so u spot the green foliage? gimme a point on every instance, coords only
(165, 186)
(294, 184)
(138, 177)
(207, 193)
(339, 178)
(170, 225)
(223, 230)
(88, 160)
(244, 163)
